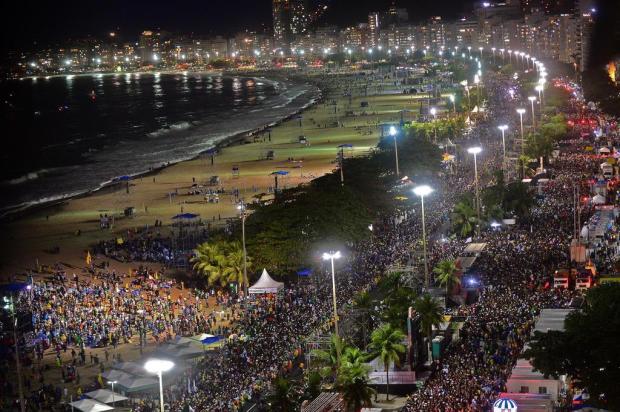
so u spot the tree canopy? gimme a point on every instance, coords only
(586, 350)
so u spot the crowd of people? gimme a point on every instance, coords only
(267, 336)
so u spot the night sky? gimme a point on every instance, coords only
(44, 21)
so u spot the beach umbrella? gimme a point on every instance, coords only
(504, 405)
(185, 216)
(275, 176)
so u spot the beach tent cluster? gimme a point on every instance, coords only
(98, 400)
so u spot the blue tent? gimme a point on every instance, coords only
(346, 145)
(212, 150)
(124, 178)
(304, 272)
(280, 172)
(13, 287)
(186, 216)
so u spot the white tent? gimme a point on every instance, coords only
(133, 368)
(106, 396)
(115, 375)
(599, 200)
(89, 405)
(604, 150)
(265, 284)
(136, 384)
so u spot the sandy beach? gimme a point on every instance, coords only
(74, 225)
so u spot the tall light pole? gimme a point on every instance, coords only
(477, 82)
(393, 134)
(159, 366)
(424, 191)
(539, 88)
(434, 114)
(480, 48)
(521, 112)
(532, 99)
(242, 209)
(331, 256)
(503, 128)
(493, 50)
(453, 100)
(475, 151)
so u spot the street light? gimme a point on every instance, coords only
(539, 88)
(475, 151)
(503, 128)
(242, 208)
(453, 100)
(532, 99)
(393, 134)
(434, 114)
(424, 191)
(159, 366)
(331, 256)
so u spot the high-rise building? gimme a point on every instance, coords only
(290, 18)
(373, 29)
(149, 46)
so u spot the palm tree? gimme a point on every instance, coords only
(233, 272)
(209, 261)
(221, 262)
(463, 218)
(352, 355)
(279, 399)
(353, 384)
(386, 344)
(431, 314)
(524, 162)
(329, 360)
(447, 274)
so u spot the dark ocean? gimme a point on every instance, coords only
(67, 135)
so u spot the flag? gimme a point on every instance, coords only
(89, 259)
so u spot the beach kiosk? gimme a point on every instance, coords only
(265, 284)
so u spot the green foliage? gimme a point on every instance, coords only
(431, 313)
(283, 234)
(501, 200)
(386, 345)
(598, 87)
(279, 399)
(586, 350)
(221, 262)
(398, 302)
(464, 218)
(353, 383)
(328, 360)
(446, 274)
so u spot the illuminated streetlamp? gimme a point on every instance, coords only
(434, 114)
(475, 151)
(452, 99)
(331, 256)
(532, 99)
(159, 366)
(503, 128)
(242, 209)
(393, 133)
(424, 191)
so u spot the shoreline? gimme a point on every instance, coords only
(24, 210)
(70, 226)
